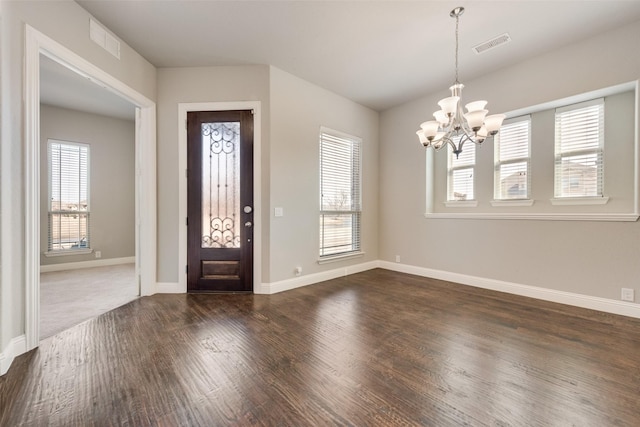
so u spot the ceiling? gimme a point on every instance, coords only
(64, 88)
(377, 53)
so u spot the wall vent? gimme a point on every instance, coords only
(103, 38)
(490, 44)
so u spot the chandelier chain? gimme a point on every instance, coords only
(457, 21)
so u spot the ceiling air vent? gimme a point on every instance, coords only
(490, 44)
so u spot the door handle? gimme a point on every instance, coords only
(248, 224)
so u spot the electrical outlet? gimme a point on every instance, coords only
(98, 254)
(627, 295)
(298, 271)
(397, 258)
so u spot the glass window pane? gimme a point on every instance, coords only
(221, 185)
(68, 196)
(340, 196)
(513, 180)
(339, 233)
(460, 180)
(579, 150)
(462, 184)
(579, 175)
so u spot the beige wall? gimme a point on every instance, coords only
(289, 146)
(191, 85)
(584, 257)
(298, 110)
(68, 24)
(112, 181)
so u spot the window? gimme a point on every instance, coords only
(460, 173)
(68, 197)
(512, 160)
(340, 195)
(582, 158)
(579, 148)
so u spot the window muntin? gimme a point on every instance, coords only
(512, 148)
(68, 213)
(579, 150)
(340, 193)
(460, 176)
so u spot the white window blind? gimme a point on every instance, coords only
(340, 193)
(512, 176)
(460, 173)
(68, 196)
(579, 150)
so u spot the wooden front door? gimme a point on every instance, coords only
(220, 201)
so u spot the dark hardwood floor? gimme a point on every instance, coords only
(372, 349)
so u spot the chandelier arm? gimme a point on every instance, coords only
(448, 129)
(453, 145)
(446, 140)
(466, 136)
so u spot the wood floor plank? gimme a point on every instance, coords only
(377, 348)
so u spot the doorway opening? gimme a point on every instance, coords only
(38, 44)
(87, 194)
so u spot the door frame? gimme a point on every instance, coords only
(37, 43)
(183, 109)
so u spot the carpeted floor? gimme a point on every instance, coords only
(68, 298)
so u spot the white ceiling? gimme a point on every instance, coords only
(377, 53)
(62, 87)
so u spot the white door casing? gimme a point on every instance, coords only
(37, 43)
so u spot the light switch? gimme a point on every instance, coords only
(278, 212)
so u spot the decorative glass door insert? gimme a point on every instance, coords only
(221, 185)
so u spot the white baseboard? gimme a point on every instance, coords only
(297, 282)
(170, 288)
(16, 347)
(622, 308)
(283, 285)
(87, 264)
(585, 301)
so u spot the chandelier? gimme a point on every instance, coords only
(453, 127)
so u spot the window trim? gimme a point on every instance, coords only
(577, 201)
(66, 252)
(461, 203)
(334, 258)
(512, 202)
(357, 251)
(551, 216)
(497, 163)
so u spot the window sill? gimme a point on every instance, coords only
(461, 203)
(512, 202)
(575, 201)
(68, 252)
(341, 257)
(610, 217)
